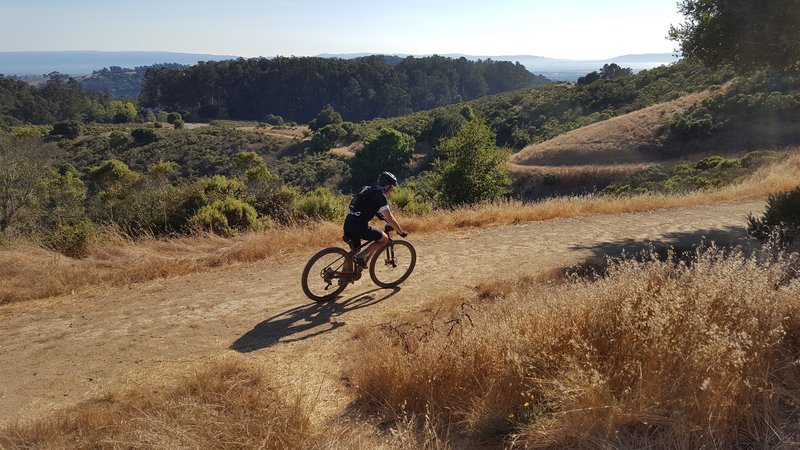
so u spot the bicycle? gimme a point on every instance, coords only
(333, 268)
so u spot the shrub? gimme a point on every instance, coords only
(29, 131)
(754, 160)
(118, 139)
(69, 129)
(320, 204)
(326, 116)
(549, 179)
(406, 200)
(70, 239)
(178, 124)
(225, 217)
(781, 218)
(713, 162)
(688, 127)
(173, 116)
(320, 143)
(143, 136)
(334, 132)
(273, 119)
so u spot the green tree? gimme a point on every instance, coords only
(475, 169)
(23, 167)
(747, 34)
(325, 117)
(613, 70)
(122, 112)
(388, 150)
(113, 183)
(173, 117)
(62, 223)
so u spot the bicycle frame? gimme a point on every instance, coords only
(352, 275)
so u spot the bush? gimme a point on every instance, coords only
(225, 217)
(713, 162)
(273, 119)
(33, 131)
(688, 127)
(326, 116)
(320, 204)
(118, 139)
(69, 129)
(143, 136)
(781, 219)
(406, 200)
(70, 239)
(173, 116)
(178, 124)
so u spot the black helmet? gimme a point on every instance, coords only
(387, 179)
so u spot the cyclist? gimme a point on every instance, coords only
(371, 201)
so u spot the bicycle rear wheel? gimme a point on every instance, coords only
(322, 277)
(393, 264)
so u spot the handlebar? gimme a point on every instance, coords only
(388, 229)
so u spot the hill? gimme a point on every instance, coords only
(557, 69)
(631, 138)
(80, 62)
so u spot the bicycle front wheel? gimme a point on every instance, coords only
(393, 264)
(322, 277)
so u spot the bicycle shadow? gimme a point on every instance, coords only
(305, 321)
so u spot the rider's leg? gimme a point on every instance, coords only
(374, 246)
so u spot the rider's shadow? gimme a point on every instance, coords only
(305, 321)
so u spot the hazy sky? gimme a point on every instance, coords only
(576, 29)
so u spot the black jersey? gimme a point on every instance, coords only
(366, 204)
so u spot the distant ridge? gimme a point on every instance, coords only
(552, 68)
(82, 62)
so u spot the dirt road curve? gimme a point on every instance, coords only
(56, 352)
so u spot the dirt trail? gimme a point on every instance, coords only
(56, 352)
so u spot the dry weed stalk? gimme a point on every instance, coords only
(653, 355)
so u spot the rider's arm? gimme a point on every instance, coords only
(389, 218)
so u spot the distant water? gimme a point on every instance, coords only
(85, 62)
(567, 70)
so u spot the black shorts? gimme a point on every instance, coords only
(357, 228)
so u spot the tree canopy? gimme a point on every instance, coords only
(359, 89)
(747, 34)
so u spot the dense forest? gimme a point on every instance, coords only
(121, 82)
(359, 89)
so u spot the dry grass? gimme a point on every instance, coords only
(232, 405)
(618, 140)
(29, 273)
(529, 181)
(654, 355)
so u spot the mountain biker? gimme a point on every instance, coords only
(369, 202)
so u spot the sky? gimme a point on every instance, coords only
(570, 29)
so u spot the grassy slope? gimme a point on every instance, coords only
(632, 138)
